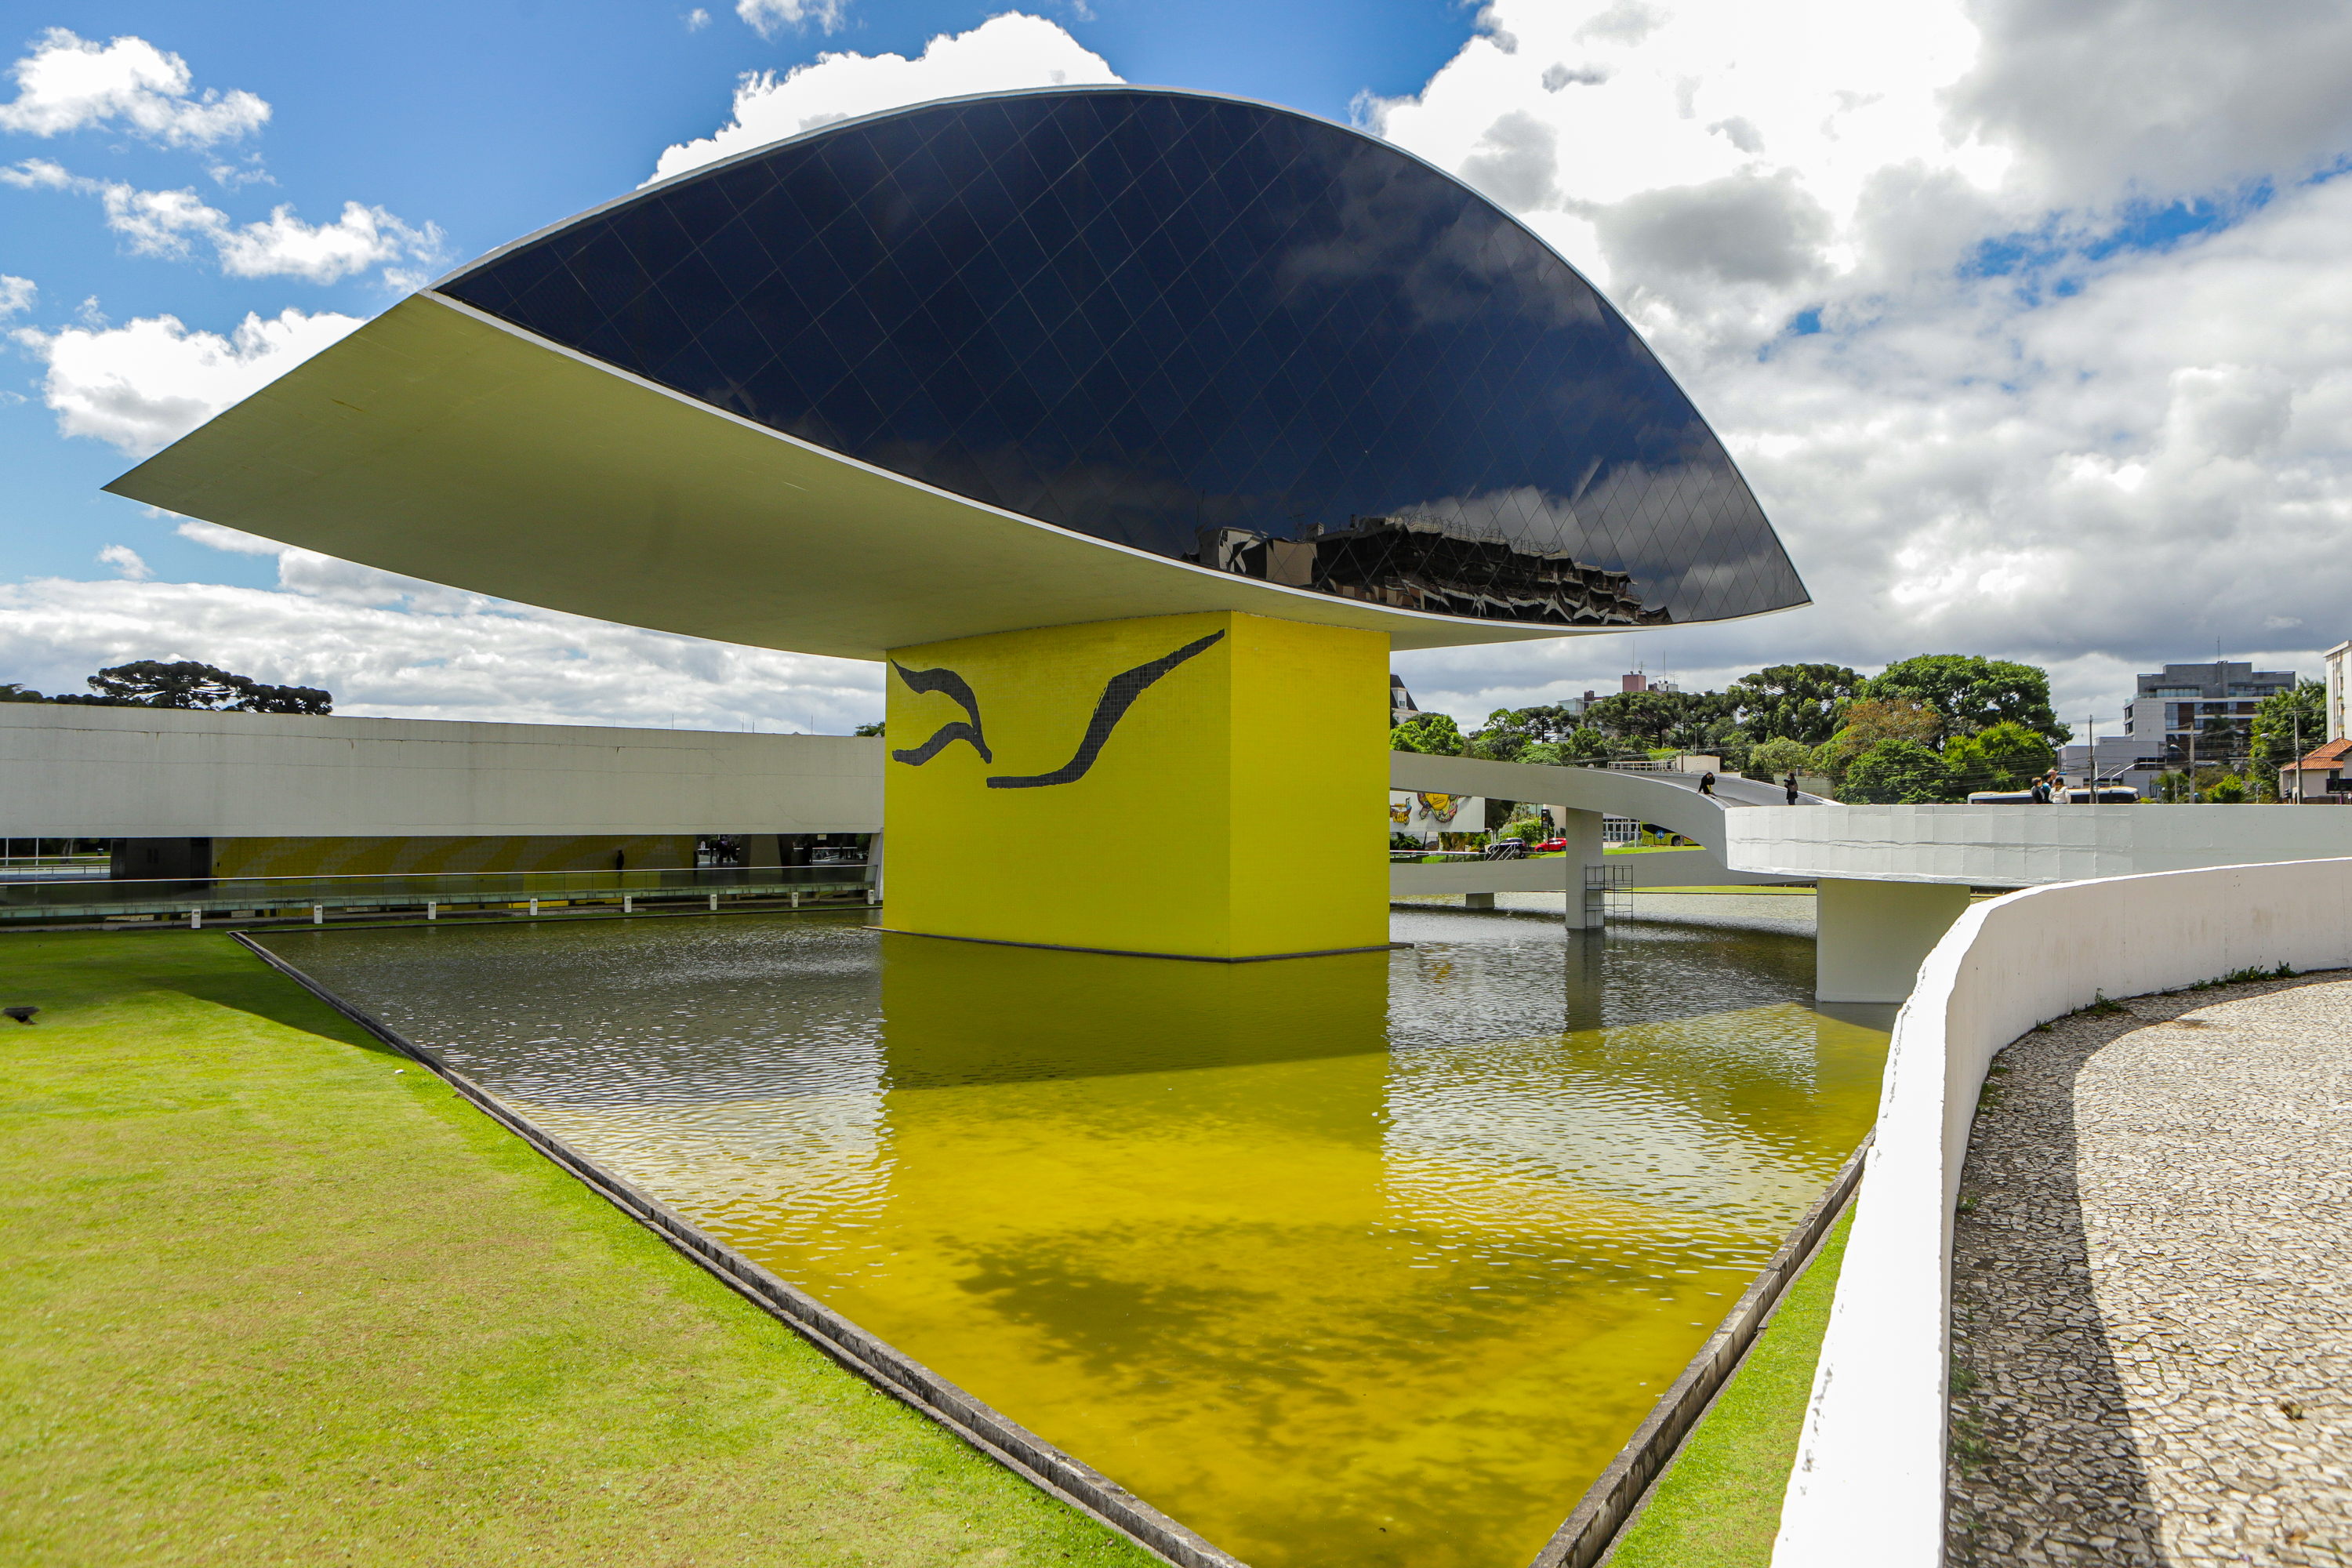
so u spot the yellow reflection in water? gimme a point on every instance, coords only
(1323, 1302)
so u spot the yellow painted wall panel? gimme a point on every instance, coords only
(1132, 798)
(1311, 739)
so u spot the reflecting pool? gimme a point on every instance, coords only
(1375, 1258)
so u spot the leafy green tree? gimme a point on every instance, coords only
(1434, 733)
(1870, 720)
(1582, 745)
(1779, 757)
(1792, 701)
(873, 729)
(2279, 721)
(1678, 719)
(1971, 692)
(1898, 772)
(1509, 731)
(149, 683)
(2230, 791)
(2008, 756)
(1727, 740)
(12, 692)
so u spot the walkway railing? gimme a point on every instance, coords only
(1869, 1481)
(424, 891)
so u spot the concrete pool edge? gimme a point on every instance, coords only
(1615, 1496)
(1023, 1452)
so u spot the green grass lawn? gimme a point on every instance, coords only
(274, 1295)
(1719, 1506)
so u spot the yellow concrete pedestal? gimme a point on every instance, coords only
(1184, 786)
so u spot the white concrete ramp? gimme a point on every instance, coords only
(1874, 931)
(1970, 846)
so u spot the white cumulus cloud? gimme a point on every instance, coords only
(126, 562)
(1922, 268)
(1002, 53)
(142, 386)
(173, 224)
(16, 295)
(769, 17)
(69, 82)
(286, 247)
(462, 656)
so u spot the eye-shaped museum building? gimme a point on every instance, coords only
(1029, 393)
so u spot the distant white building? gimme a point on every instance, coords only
(2335, 659)
(1401, 706)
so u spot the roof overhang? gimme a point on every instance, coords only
(441, 444)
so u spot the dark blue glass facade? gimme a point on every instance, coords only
(1214, 331)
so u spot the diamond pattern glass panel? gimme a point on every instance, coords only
(1220, 332)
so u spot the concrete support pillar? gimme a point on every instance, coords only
(1582, 831)
(1872, 936)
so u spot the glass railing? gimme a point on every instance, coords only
(53, 869)
(45, 898)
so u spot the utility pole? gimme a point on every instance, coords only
(2296, 710)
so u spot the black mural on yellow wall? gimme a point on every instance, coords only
(957, 688)
(1118, 695)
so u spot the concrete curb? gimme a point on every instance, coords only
(1018, 1449)
(1611, 1502)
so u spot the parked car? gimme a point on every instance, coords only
(1549, 847)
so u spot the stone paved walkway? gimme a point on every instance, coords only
(2152, 1288)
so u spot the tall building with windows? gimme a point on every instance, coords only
(2197, 712)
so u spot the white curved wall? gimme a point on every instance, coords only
(1868, 1486)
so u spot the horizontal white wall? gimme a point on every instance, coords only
(1868, 1486)
(2019, 845)
(1549, 875)
(68, 771)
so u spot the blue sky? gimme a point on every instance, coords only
(2023, 321)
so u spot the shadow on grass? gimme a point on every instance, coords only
(265, 994)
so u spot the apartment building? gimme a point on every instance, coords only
(2170, 715)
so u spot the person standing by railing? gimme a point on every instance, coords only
(1706, 784)
(1793, 789)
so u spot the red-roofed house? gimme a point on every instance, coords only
(2323, 773)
